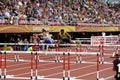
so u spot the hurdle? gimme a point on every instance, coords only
(56, 46)
(66, 56)
(79, 56)
(57, 57)
(57, 52)
(103, 54)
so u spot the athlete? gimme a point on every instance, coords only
(116, 68)
(64, 37)
(47, 39)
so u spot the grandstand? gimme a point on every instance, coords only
(85, 20)
(84, 16)
(60, 12)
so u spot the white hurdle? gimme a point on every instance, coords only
(100, 57)
(65, 54)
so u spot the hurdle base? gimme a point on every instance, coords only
(36, 77)
(101, 62)
(57, 61)
(31, 77)
(16, 60)
(4, 76)
(68, 78)
(101, 79)
(76, 61)
(63, 78)
(80, 61)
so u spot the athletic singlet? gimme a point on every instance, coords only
(62, 35)
(46, 36)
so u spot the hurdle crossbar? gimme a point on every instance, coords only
(49, 52)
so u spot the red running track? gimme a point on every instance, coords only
(49, 69)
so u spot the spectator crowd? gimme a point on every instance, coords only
(61, 12)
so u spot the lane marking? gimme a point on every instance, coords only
(93, 72)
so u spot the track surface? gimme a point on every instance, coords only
(48, 69)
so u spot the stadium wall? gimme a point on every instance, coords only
(79, 31)
(38, 28)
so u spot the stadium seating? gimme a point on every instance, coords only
(56, 12)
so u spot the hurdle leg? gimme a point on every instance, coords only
(58, 59)
(36, 71)
(15, 48)
(4, 64)
(15, 58)
(0, 64)
(0, 73)
(38, 58)
(80, 58)
(31, 66)
(97, 66)
(18, 58)
(63, 66)
(35, 57)
(77, 58)
(55, 58)
(102, 57)
(68, 66)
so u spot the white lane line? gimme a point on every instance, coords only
(110, 77)
(8, 66)
(54, 68)
(71, 70)
(28, 67)
(93, 72)
(40, 78)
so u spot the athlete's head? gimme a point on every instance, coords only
(43, 30)
(62, 31)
